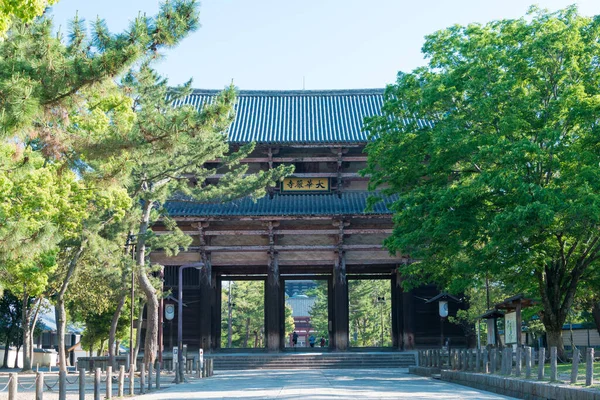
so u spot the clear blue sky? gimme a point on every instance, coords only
(332, 44)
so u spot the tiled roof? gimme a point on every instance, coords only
(303, 116)
(301, 306)
(350, 203)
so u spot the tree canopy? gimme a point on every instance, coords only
(493, 148)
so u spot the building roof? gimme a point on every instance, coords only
(301, 306)
(300, 116)
(350, 203)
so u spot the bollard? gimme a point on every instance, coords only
(82, 384)
(39, 386)
(97, 380)
(13, 384)
(493, 355)
(575, 369)
(109, 382)
(478, 360)
(486, 362)
(518, 361)
(143, 378)
(150, 372)
(528, 362)
(589, 367)
(121, 387)
(131, 379)
(509, 361)
(62, 385)
(553, 367)
(198, 371)
(157, 375)
(542, 360)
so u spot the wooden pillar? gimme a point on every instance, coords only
(206, 305)
(397, 320)
(340, 303)
(330, 312)
(408, 312)
(216, 320)
(273, 304)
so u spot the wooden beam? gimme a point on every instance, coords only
(281, 217)
(345, 175)
(298, 159)
(264, 232)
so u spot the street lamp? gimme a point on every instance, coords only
(197, 266)
(442, 300)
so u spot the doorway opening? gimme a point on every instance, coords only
(306, 313)
(243, 314)
(370, 313)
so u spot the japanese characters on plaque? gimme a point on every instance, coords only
(305, 185)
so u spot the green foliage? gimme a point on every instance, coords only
(24, 10)
(97, 326)
(503, 178)
(248, 314)
(319, 313)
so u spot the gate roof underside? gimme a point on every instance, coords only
(347, 203)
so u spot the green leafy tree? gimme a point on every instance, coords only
(319, 312)
(370, 313)
(10, 323)
(173, 144)
(493, 150)
(25, 10)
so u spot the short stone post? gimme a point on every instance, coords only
(143, 378)
(39, 385)
(158, 375)
(97, 373)
(121, 390)
(150, 373)
(541, 362)
(575, 366)
(589, 367)
(553, 366)
(478, 360)
(131, 379)
(486, 361)
(509, 361)
(82, 384)
(13, 385)
(109, 382)
(493, 355)
(528, 362)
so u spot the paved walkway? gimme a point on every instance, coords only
(319, 384)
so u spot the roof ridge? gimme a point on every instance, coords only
(282, 93)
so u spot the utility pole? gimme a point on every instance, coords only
(229, 309)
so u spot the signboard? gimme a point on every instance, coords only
(169, 311)
(175, 354)
(443, 309)
(510, 328)
(312, 185)
(201, 358)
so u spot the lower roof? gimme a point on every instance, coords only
(348, 203)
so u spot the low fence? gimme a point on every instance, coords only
(105, 384)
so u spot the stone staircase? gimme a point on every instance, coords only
(365, 360)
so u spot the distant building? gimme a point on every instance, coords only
(301, 306)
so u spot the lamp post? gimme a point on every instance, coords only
(381, 301)
(197, 266)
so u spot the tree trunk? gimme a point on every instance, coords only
(554, 339)
(18, 348)
(596, 313)
(247, 332)
(151, 342)
(26, 332)
(6, 349)
(112, 349)
(138, 332)
(61, 315)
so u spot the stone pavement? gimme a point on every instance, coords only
(319, 384)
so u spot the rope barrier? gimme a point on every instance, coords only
(7, 383)
(27, 387)
(50, 387)
(74, 380)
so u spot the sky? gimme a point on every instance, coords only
(309, 44)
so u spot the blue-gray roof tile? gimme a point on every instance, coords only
(350, 203)
(303, 116)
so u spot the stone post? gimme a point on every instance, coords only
(486, 362)
(97, 373)
(157, 375)
(82, 384)
(575, 369)
(542, 360)
(121, 381)
(62, 385)
(553, 367)
(589, 367)
(13, 385)
(109, 382)
(509, 360)
(132, 379)
(493, 355)
(150, 373)
(528, 362)
(143, 378)
(39, 386)
(518, 361)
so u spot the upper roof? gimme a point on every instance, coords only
(298, 116)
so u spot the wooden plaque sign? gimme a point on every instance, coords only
(296, 185)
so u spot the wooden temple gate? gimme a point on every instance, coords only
(313, 225)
